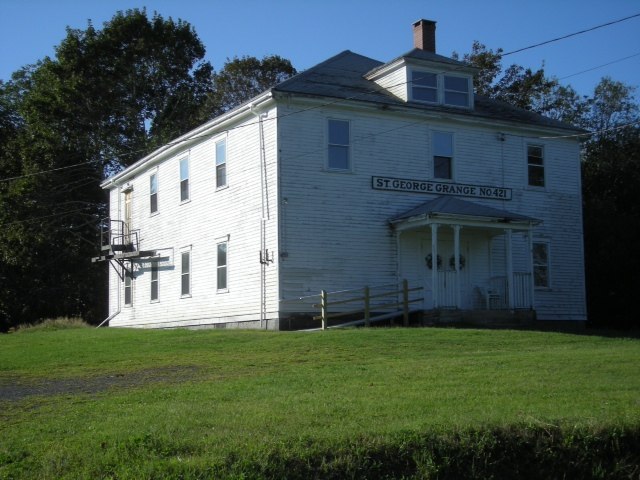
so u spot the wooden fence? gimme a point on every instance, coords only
(366, 301)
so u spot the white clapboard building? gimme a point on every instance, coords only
(355, 172)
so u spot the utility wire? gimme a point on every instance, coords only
(602, 25)
(600, 66)
(354, 97)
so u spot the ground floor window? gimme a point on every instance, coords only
(222, 266)
(186, 274)
(154, 281)
(541, 264)
(128, 289)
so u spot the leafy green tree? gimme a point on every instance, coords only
(109, 97)
(243, 78)
(610, 177)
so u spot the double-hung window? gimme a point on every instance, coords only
(153, 193)
(443, 155)
(222, 266)
(535, 165)
(128, 288)
(154, 281)
(456, 91)
(440, 88)
(424, 87)
(339, 157)
(185, 270)
(184, 179)
(541, 264)
(221, 163)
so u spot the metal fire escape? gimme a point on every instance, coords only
(120, 246)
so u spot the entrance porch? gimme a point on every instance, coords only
(468, 257)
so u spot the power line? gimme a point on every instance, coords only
(602, 25)
(598, 132)
(354, 97)
(600, 66)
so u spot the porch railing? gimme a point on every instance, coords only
(521, 291)
(496, 293)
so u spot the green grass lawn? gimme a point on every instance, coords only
(114, 403)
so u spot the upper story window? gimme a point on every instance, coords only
(443, 155)
(424, 87)
(221, 163)
(184, 179)
(456, 91)
(535, 165)
(153, 193)
(440, 88)
(128, 213)
(338, 145)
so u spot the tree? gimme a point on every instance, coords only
(610, 177)
(108, 97)
(518, 86)
(243, 78)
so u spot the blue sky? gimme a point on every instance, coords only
(308, 32)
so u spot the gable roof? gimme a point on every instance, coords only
(453, 206)
(342, 77)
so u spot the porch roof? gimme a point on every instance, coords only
(449, 209)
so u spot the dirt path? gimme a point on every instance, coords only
(15, 388)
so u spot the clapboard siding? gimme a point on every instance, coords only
(335, 229)
(233, 213)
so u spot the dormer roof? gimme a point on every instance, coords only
(424, 58)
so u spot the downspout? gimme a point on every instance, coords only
(263, 219)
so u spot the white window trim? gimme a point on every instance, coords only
(441, 88)
(546, 242)
(180, 180)
(544, 167)
(453, 157)
(349, 146)
(220, 241)
(226, 162)
(188, 250)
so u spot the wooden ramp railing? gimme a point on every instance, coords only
(368, 300)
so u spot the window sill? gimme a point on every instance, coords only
(184, 202)
(223, 290)
(339, 170)
(186, 296)
(154, 214)
(223, 187)
(154, 301)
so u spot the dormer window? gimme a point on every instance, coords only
(440, 88)
(424, 87)
(456, 91)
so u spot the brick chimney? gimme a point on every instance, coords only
(424, 35)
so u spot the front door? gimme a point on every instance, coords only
(447, 278)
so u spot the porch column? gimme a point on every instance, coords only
(532, 288)
(456, 261)
(509, 267)
(434, 263)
